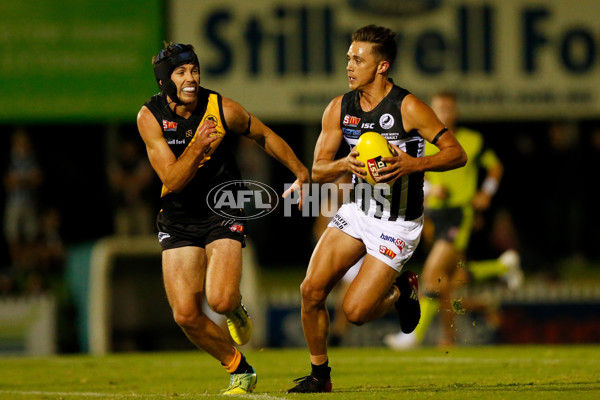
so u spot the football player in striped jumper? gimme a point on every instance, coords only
(383, 222)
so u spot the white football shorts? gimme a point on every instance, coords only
(392, 242)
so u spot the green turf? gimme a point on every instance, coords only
(515, 372)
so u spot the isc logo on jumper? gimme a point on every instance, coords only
(255, 198)
(373, 165)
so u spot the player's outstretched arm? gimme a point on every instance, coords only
(241, 121)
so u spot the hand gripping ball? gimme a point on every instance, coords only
(372, 147)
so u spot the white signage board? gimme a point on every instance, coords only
(285, 60)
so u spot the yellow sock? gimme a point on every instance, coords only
(487, 269)
(429, 308)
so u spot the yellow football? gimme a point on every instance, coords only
(372, 147)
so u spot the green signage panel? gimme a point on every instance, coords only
(77, 60)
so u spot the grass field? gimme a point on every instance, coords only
(495, 372)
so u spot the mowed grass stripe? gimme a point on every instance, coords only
(537, 372)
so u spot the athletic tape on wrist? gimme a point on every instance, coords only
(489, 186)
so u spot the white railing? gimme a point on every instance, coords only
(28, 325)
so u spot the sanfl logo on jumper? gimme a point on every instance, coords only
(169, 126)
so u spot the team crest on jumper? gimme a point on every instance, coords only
(386, 121)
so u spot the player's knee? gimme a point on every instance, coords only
(224, 304)
(186, 318)
(311, 293)
(355, 318)
(355, 315)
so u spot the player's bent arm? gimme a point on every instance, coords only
(238, 118)
(495, 172)
(325, 168)
(418, 116)
(482, 199)
(175, 173)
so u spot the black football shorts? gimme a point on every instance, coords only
(453, 225)
(174, 234)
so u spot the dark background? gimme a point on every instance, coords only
(550, 194)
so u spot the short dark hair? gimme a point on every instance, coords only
(384, 40)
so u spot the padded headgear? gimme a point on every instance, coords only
(165, 63)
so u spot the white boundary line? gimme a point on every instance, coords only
(81, 394)
(129, 395)
(449, 359)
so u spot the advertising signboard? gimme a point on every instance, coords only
(74, 60)
(507, 59)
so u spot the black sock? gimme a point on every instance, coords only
(244, 367)
(321, 371)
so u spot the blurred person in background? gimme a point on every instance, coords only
(130, 177)
(185, 128)
(51, 252)
(48, 255)
(454, 200)
(359, 227)
(22, 179)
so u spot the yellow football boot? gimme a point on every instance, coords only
(240, 325)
